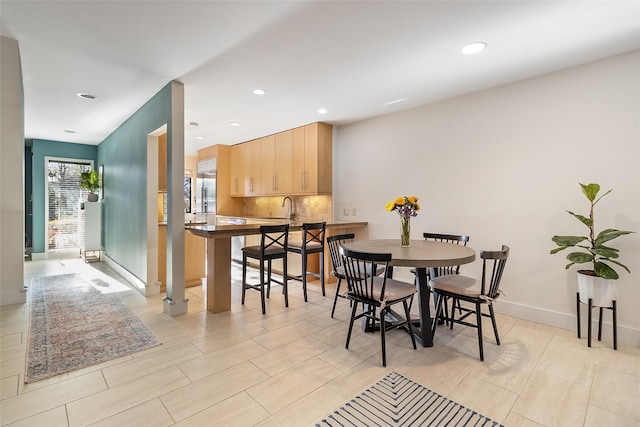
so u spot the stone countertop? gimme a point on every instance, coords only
(230, 230)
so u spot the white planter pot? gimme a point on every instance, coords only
(601, 291)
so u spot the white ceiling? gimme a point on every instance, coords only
(350, 57)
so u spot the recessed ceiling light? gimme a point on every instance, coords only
(474, 47)
(70, 131)
(234, 124)
(87, 96)
(322, 111)
(259, 92)
(395, 101)
(199, 137)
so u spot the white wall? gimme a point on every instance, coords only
(11, 175)
(502, 166)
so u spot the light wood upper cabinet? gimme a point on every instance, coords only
(275, 164)
(312, 159)
(296, 161)
(268, 164)
(237, 170)
(284, 160)
(252, 168)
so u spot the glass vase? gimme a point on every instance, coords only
(405, 233)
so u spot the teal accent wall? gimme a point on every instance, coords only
(28, 191)
(42, 148)
(124, 156)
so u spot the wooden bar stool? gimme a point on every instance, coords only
(273, 245)
(312, 243)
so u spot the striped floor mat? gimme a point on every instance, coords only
(398, 401)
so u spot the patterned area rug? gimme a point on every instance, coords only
(75, 323)
(398, 401)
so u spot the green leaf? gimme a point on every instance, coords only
(579, 257)
(606, 252)
(567, 241)
(604, 271)
(621, 265)
(583, 219)
(609, 234)
(591, 191)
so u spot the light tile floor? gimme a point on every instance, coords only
(290, 367)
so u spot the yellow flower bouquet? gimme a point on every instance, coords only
(406, 206)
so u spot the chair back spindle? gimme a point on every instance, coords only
(496, 261)
(334, 242)
(362, 285)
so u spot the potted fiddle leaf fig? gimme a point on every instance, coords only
(90, 181)
(598, 281)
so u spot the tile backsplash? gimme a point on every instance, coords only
(305, 208)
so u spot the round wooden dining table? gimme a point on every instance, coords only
(420, 254)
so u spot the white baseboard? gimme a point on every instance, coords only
(14, 297)
(139, 285)
(68, 254)
(626, 334)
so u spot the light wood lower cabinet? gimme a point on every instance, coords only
(194, 258)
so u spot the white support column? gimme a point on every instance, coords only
(12, 290)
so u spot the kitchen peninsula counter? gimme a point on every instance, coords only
(219, 252)
(229, 230)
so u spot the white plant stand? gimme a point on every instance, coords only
(92, 245)
(590, 306)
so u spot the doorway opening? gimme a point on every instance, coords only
(65, 231)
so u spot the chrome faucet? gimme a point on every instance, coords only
(290, 217)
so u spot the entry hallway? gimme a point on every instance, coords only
(290, 367)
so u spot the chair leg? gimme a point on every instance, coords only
(335, 298)
(244, 276)
(445, 307)
(382, 338)
(322, 273)
(493, 322)
(262, 284)
(453, 312)
(436, 314)
(304, 276)
(268, 278)
(409, 324)
(479, 320)
(353, 315)
(285, 281)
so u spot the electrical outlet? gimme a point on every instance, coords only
(345, 212)
(305, 202)
(353, 211)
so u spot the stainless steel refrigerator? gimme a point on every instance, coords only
(206, 191)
